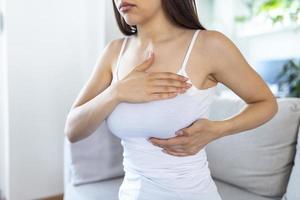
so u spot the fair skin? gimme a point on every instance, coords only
(214, 59)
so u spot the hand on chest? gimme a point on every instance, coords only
(169, 58)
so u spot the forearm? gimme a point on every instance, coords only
(252, 116)
(83, 120)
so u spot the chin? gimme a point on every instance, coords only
(131, 20)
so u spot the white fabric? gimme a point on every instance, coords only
(150, 173)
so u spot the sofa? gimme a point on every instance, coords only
(256, 164)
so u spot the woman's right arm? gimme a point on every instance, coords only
(97, 98)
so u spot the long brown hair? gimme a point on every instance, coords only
(181, 12)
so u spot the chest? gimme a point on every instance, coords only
(161, 118)
(168, 58)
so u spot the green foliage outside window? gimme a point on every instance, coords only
(289, 78)
(275, 10)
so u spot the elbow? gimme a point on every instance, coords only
(274, 106)
(69, 132)
(74, 130)
(70, 136)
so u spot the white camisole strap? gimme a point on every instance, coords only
(119, 57)
(187, 55)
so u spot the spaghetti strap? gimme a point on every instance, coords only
(188, 52)
(119, 57)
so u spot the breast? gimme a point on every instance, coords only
(159, 118)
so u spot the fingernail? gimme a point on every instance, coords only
(178, 132)
(150, 54)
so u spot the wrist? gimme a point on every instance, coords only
(115, 94)
(221, 128)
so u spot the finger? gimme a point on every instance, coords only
(169, 75)
(169, 82)
(175, 153)
(179, 132)
(178, 149)
(178, 140)
(163, 95)
(168, 89)
(183, 132)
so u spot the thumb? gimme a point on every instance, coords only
(146, 63)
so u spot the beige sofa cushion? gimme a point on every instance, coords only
(258, 160)
(230, 192)
(95, 158)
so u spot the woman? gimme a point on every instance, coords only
(159, 106)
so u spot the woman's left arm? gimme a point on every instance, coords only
(231, 69)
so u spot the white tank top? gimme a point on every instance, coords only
(135, 122)
(160, 118)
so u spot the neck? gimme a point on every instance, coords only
(156, 30)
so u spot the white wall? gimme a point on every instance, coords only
(111, 28)
(275, 45)
(3, 113)
(204, 9)
(52, 46)
(94, 32)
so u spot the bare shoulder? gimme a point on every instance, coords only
(221, 49)
(214, 36)
(112, 50)
(216, 41)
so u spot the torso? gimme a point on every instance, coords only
(147, 169)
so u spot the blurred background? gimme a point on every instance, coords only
(48, 49)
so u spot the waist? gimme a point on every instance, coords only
(142, 157)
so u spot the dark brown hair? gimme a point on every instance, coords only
(180, 12)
